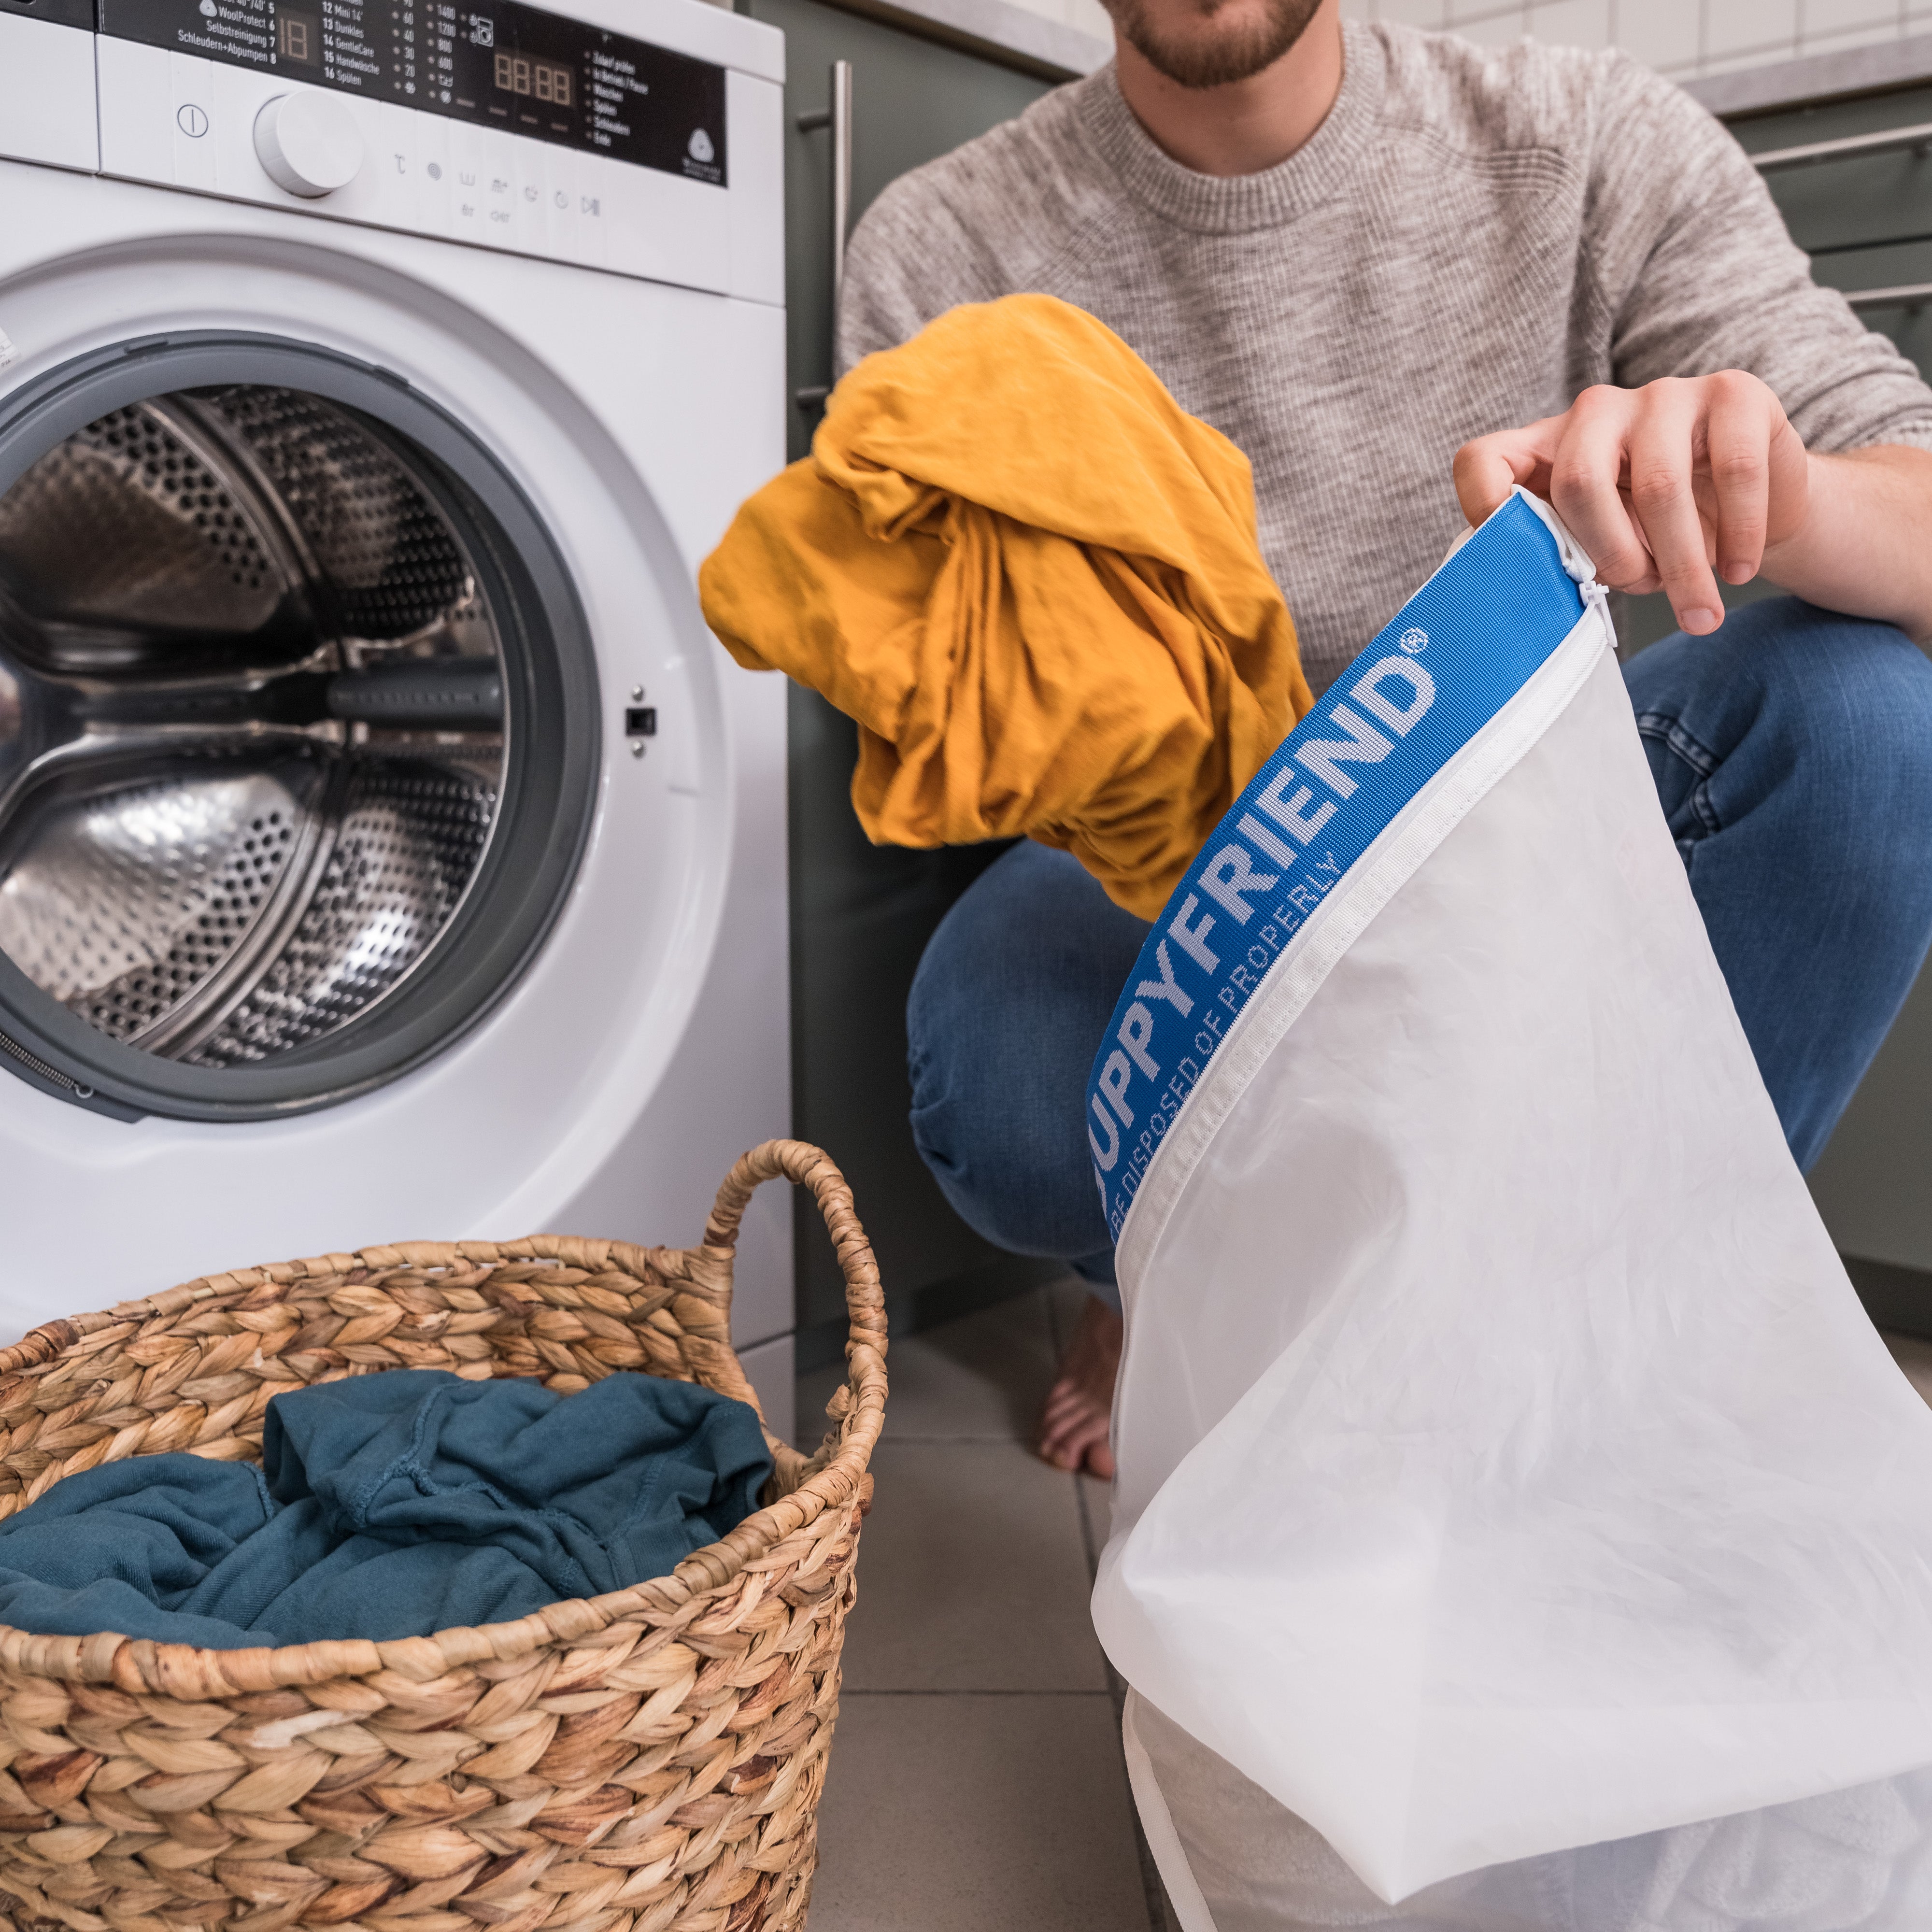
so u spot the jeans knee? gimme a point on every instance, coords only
(1005, 1012)
(1852, 686)
(1011, 1177)
(1846, 700)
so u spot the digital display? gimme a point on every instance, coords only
(509, 65)
(298, 36)
(544, 80)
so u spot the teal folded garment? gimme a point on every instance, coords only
(386, 1506)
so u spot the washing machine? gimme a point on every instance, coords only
(386, 849)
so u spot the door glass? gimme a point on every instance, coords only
(298, 730)
(251, 735)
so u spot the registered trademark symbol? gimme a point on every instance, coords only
(1413, 639)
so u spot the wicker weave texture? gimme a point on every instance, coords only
(634, 1762)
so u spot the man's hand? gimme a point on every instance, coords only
(1662, 485)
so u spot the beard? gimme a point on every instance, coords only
(1220, 54)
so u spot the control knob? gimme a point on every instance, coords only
(309, 143)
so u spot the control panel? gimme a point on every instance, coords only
(488, 121)
(506, 65)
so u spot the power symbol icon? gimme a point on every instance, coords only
(191, 120)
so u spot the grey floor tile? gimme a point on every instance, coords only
(977, 1814)
(972, 1575)
(983, 1376)
(1097, 1512)
(1913, 1354)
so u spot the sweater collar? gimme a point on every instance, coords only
(1231, 205)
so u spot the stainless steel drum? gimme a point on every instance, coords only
(264, 665)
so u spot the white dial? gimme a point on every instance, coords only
(309, 142)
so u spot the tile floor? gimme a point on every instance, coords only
(976, 1783)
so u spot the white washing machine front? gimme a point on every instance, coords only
(386, 850)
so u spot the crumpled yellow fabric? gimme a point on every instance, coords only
(1033, 580)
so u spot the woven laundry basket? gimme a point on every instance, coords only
(649, 1759)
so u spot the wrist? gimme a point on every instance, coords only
(1857, 546)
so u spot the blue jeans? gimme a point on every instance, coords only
(1792, 754)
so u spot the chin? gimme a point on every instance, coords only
(1199, 45)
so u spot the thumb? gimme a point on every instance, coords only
(1487, 468)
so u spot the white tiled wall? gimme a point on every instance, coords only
(1085, 16)
(1089, 17)
(1685, 38)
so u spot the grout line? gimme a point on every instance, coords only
(1089, 1536)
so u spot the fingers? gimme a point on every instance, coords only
(1488, 469)
(1587, 473)
(1741, 416)
(1663, 447)
(1662, 485)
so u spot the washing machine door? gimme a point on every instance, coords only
(298, 730)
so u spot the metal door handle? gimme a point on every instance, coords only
(1886, 141)
(1907, 296)
(838, 117)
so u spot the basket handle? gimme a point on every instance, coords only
(807, 1166)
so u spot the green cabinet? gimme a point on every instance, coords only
(1866, 220)
(913, 99)
(862, 914)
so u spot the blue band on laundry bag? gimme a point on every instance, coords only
(1457, 652)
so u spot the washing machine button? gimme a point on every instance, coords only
(435, 174)
(138, 128)
(469, 183)
(191, 89)
(528, 184)
(309, 143)
(407, 193)
(49, 90)
(574, 181)
(505, 223)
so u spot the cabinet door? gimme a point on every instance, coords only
(862, 914)
(913, 100)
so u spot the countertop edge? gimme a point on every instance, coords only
(996, 29)
(1866, 70)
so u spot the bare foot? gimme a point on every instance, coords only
(1073, 1424)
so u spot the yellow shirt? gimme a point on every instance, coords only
(1034, 581)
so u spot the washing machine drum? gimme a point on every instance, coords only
(284, 711)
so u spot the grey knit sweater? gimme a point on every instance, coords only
(1471, 237)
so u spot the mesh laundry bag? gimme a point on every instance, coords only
(1506, 1465)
